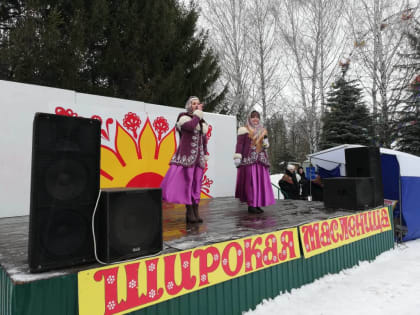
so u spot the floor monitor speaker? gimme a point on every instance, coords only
(351, 193)
(128, 223)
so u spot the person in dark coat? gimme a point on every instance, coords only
(317, 189)
(289, 183)
(303, 183)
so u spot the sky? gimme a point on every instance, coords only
(388, 285)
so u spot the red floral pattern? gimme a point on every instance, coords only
(65, 112)
(132, 122)
(208, 134)
(161, 125)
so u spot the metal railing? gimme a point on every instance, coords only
(280, 192)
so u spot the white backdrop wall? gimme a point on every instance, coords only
(19, 103)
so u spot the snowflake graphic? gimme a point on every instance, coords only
(216, 257)
(185, 264)
(152, 267)
(282, 238)
(111, 305)
(152, 293)
(248, 264)
(170, 285)
(225, 261)
(307, 246)
(275, 258)
(284, 252)
(132, 284)
(274, 240)
(291, 243)
(258, 254)
(247, 244)
(110, 279)
(203, 278)
(239, 252)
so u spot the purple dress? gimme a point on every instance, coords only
(182, 182)
(253, 184)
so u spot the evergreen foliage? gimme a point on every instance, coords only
(346, 119)
(141, 50)
(408, 126)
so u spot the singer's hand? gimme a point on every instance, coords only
(265, 143)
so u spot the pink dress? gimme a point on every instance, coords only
(182, 182)
(253, 184)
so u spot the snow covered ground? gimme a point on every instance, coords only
(388, 285)
(275, 180)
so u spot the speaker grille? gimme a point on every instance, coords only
(366, 162)
(352, 193)
(65, 233)
(64, 188)
(128, 223)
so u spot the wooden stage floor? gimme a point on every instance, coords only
(224, 219)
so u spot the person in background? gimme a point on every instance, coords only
(317, 188)
(253, 184)
(289, 183)
(303, 183)
(182, 182)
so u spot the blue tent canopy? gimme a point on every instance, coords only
(400, 176)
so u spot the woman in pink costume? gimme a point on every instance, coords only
(182, 182)
(253, 184)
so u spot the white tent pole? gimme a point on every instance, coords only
(310, 180)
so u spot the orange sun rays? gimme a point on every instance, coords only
(146, 160)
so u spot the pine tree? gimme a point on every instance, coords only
(346, 119)
(408, 126)
(142, 50)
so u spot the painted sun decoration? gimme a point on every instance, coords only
(140, 154)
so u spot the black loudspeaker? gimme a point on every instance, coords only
(128, 223)
(366, 162)
(64, 190)
(352, 193)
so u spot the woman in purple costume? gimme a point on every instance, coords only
(253, 184)
(182, 182)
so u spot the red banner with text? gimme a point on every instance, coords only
(321, 236)
(125, 287)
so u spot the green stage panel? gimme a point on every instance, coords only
(58, 296)
(6, 292)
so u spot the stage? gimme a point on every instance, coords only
(225, 219)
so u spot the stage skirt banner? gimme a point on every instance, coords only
(321, 236)
(126, 287)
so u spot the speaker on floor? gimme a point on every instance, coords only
(64, 190)
(128, 223)
(366, 162)
(352, 193)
